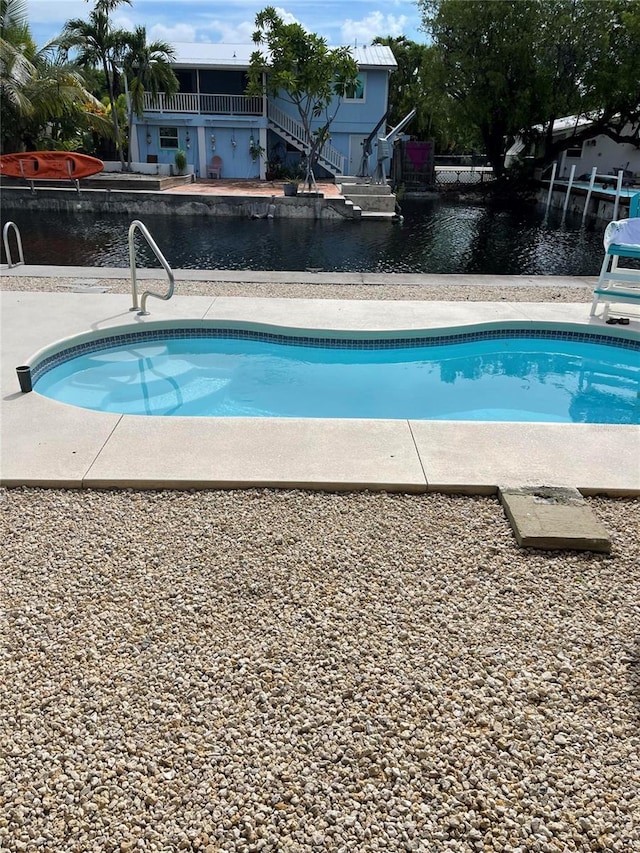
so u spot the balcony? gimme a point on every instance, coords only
(186, 102)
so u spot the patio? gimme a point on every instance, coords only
(45, 443)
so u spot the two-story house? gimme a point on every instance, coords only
(212, 117)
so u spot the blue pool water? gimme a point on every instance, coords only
(505, 376)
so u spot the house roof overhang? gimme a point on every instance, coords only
(238, 56)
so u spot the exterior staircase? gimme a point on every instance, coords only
(375, 200)
(293, 131)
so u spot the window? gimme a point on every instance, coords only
(168, 137)
(359, 93)
(575, 152)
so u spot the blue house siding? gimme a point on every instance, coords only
(353, 117)
(229, 139)
(210, 116)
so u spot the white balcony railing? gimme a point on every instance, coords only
(187, 102)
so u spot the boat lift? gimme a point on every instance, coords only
(367, 149)
(385, 148)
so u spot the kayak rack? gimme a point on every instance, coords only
(11, 226)
(31, 180)
(137, 225)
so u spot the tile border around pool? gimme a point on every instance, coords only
(99, 344)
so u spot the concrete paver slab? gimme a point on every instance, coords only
(549, 518)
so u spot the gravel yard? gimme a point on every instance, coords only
(290, 671)
(318, 289)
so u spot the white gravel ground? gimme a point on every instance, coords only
(581, 292)
(294, 671)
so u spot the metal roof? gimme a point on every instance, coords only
(374, 56)
(571, 122)
(202, 54)
(205, 54)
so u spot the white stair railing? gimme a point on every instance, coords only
(329, 156)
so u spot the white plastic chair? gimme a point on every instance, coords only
(616, 283)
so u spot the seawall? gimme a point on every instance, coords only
(601, 205)
(139, 203)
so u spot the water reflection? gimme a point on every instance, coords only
(435, 236)
(510, 379)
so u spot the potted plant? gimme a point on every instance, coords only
(292, 180)
(255, 149)
(180, 161)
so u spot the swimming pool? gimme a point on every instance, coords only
(494, 374)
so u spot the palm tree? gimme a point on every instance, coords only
(100, 45)
(37, 92)
(16, 50)
(146, 68)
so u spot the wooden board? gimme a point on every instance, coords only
(49, 165)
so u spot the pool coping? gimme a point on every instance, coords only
(50, 444)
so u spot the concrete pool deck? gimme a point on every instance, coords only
(46, 443)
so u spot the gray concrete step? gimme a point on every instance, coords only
(364, 189)
(553, 518)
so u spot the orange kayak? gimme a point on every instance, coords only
(49, 165)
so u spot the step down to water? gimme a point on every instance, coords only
(364, 189)
(553, 518)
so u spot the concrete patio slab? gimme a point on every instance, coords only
(474, 457)
(566, 312)
(549, 518)
(363, 315)
(45, 443)
(48, 443)
(236, 452)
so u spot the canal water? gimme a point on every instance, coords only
(434, 236)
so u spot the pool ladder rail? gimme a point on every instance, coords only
(7, 249)
(137, 225)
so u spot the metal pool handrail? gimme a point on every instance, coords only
(7, 250)
(140, 226)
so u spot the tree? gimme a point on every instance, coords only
(146, 68)
(43, 101)
(408, 87)
(512, 65)
(593, 62)
(484, 64)
(100, 45)
(300, 67)
(16, 46)
(415, 84)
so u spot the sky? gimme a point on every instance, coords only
(232, 21)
